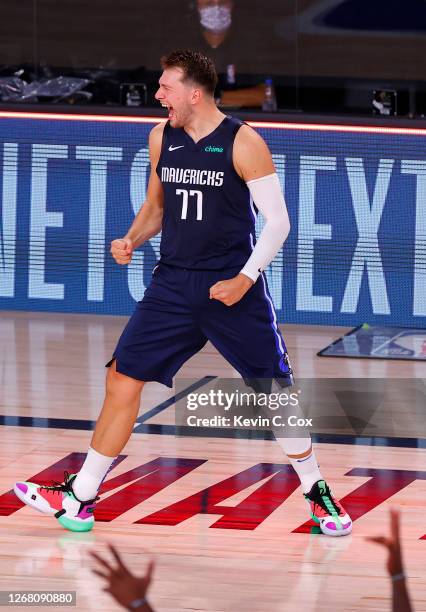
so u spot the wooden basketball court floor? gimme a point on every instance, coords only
(221, 516)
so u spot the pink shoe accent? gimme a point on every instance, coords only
(84, 514)
(22, 487)
(52, 497)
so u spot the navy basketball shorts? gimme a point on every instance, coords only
(176, 317)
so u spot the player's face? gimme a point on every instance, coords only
(176, 96)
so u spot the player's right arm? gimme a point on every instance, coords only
(147, 222)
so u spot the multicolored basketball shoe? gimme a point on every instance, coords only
(59, 500)
(327, 511)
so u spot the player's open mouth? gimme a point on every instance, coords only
(169, 108)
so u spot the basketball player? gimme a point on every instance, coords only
(207, 169)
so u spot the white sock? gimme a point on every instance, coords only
(91, 475)
(306, 467)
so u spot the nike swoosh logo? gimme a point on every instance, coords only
(171, 148)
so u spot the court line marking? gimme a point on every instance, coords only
(175, 398)
(171, 430)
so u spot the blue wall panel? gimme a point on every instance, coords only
(357, 203)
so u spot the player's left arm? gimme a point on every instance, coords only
(253, 162)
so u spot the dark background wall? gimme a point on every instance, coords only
(343, 38)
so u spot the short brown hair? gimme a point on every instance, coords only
(196, 67)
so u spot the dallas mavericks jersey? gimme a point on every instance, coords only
(208, 218)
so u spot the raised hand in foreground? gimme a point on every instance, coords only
(127, 589)
(392, 543)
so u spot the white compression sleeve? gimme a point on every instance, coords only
(267, 195)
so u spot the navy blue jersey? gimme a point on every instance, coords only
(209, 218)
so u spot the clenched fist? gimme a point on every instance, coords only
(122, 250)
(231, 291)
